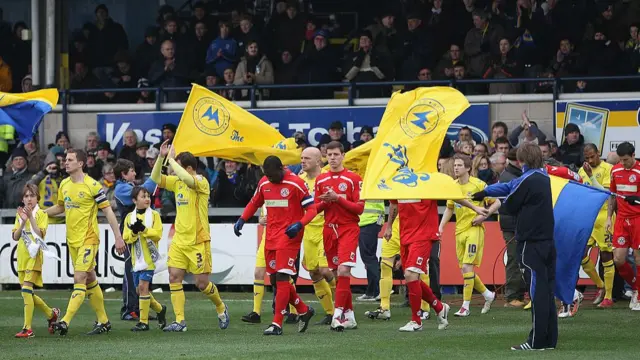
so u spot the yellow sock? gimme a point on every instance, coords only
(467, 290)
(478, 285)
(211, 292)
(323, 293)
(386, 284)
(77, 298)
(42, 306)
(609, 274)
(425, 305)
(177, 301)
(258, 295)
(27, 296)
(154, 304)
(292, 309)
(96, 300)
(332, 285)
(144, 302)
(590, 269)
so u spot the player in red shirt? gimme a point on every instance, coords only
(625, 179)
(337, 193)
(563, 172)
(418, 228)
(289, 208)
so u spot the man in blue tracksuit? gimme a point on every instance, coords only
(529, 199)
(126, 174)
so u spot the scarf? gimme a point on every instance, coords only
(107, 183)
(252, 63)
(33, 242)
(157, 259)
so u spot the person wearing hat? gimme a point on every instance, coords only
(14, 179)
(571, 150)
(141, 149)
(366, 134)
(93, 166)
(152, 155)
(336, 133)
(369, 65)
(318, 64)
(168, 133)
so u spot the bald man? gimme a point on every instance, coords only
(613, 158)
(314, 259)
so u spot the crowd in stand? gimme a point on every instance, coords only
(417, 40)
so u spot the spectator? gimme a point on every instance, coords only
(145, 96)
(290, 30)
(106, 37)
(336, 133)
(148, 51)
(309, 33)
(27, 84)
(210, 79)
(223, 51)
(424, 74)
(124, 77)
(481, 170)
(445, 67)
(182, 44)
(366, 135)
(464, 134)
(465, 147)
(531, 133)
(141, 166)
(498, 130)
(318, 65)
(480, 43)
(367, 65)
(104, 154)
(504, 65)
(91, 142)
(571, 153)
(229, 78)
(286, 72)
(94, 168)
(601, 58)
(200, 14)
(108, 183)
(498, 162)
(78, 49)
(254, 69)
(246, 33)
(481, 149)
(19, 55)
(418, 48)
(503, 145)
(545, 149)
(128, 150)
(170, 72)
(632, 48)
(35, 159)
(168, 133)
(56, 153)
(565, 62)
(62, 140)
(14, 179)
(6, 79)
(201, 41)
(48, 181)
(152, 156)
(385, 37)
(228, 191)
(460, 73)
(439, 22)
(82, 79)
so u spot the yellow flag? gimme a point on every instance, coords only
(403, 159)
(214, 126)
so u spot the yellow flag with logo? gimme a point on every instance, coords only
(214, 126)
(403, 159)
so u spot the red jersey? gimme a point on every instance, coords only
(347, 185)
(418, 220)
(563, 172)
(285, 203)
(626, 182)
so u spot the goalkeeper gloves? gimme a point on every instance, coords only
(238, 226)
(632, 200)
(293, 230)
(479, 196)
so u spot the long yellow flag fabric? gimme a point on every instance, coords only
(214, 126)
(403, 159)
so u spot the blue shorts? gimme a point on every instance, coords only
(146, 275)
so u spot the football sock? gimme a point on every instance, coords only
(626, 273)
(212, 293)
(332, 284)
(425, 305)
(295, 301)
(386, 284)
(282, 299)
(154, 304)
(343, 292)
(292, 309)
(429, 297)
(637, 278)
(323, 293)
(42, 306)
(590, 269)
(609, 275)
(177, 301)
(144, 302)
(258, 295)
(479, 286)
(77, 298)
(96, 301)
(27, 296)
(467, 290)
(415, 299)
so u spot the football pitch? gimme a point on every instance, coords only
(592, 334)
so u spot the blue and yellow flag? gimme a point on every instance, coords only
(403, 160)
(214, 126)
(575, 209)
(25, 111)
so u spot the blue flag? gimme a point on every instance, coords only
(25, 111)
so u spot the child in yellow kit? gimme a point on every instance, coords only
(31, 226)
(143, 230)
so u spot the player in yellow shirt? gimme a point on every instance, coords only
(597, 173)
(80, 197)
(469, 234)
(143, 230)
(31, 226)
(190, 249)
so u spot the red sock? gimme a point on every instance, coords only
(282, 301)
(349, 297)
(637, 284)
(295, 300)
(626, 273)
(415, 300)
(427, 295)
(343, 292)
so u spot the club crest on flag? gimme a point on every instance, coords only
(210, 116)
(404, 174)
(421, 118)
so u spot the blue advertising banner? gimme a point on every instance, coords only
(311, 121)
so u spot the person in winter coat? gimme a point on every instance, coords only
(223, 51)
(367, 65)
(480, 43)
(254, 68)
(571, 150)
(319, 64)
(14, 179)
(504, 65)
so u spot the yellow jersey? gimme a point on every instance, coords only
(192, 209)
(25, 261)
(464, 215)
(81, 202)
(153, 233)
(318, 221)
(602, 173)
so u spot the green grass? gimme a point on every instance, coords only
(592, 334)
